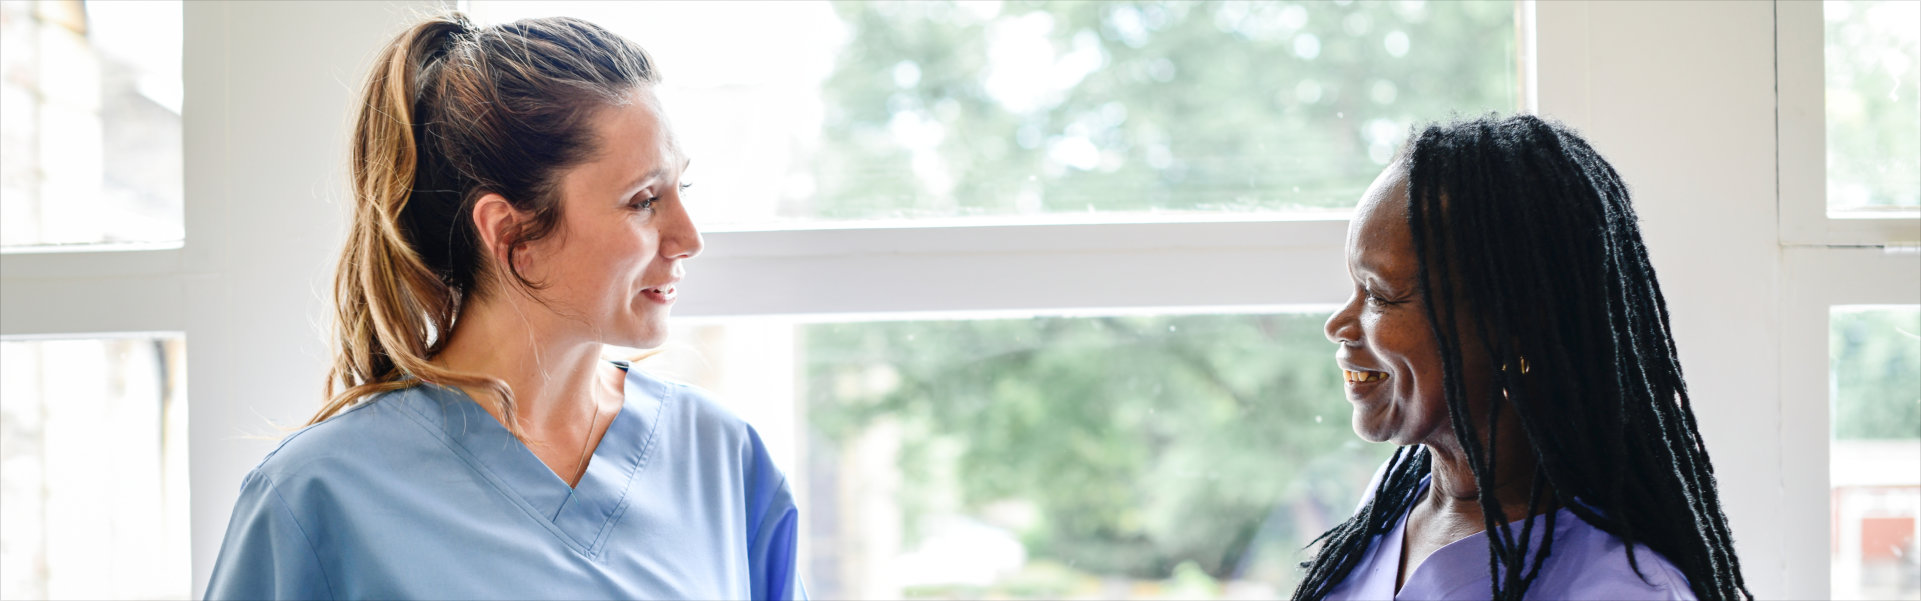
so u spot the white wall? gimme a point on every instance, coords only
(270, 86)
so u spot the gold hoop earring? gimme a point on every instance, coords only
(1524, 367)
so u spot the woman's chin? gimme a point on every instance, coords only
(649, 342)
(1368, 430)
(649, 336)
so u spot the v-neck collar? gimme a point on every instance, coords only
(580, 515)
(1456, 566)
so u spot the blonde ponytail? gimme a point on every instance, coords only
(392, 312)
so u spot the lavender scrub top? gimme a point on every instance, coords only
(1586, 563)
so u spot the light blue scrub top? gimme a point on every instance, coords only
(420, 494)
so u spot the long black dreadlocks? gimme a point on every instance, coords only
(1538, 237)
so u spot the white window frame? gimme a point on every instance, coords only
(1824, 278)
(1680, 96)
(1825, 262)
(1800, 35)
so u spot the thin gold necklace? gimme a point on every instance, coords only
(580, 465)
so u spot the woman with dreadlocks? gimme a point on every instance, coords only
(1506, 330)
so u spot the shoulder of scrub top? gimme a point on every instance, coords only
(373, 431)
(702, 414)
(1604, 572)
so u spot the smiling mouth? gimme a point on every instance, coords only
(661, 294)
(1358, 377)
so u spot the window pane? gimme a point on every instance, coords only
(90, 96)
(1874, 106)
(1052, 111)
(1168, 456)
(1875, 460)
(94, 495)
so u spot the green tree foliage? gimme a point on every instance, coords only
(1144, 442)
(1873, 72)
(1132, 106)
(1876, 367)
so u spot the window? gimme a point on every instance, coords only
(92, 98)
(1849, 85)
(1873, 74)
(1848, 146)
(1848, 398)
(1875, 463)
(1145, 455)
(94, 494)
(876, 112)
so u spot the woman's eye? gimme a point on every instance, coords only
(685, 185)
(646, 204)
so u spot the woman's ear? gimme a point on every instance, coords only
(495, 220)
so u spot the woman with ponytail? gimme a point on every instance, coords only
(517, 205)
(1507, 330)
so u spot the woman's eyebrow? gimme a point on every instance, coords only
(656, 172)
(650, 175)
(1363, 264)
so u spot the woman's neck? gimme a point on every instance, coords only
(1450, 509)
(1454, 491)
(558, 381)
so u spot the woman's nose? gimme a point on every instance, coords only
(679, 239)
(1341, 327)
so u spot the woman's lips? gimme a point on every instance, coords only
(1360, 382)
(664, 294)
(1363, 376)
